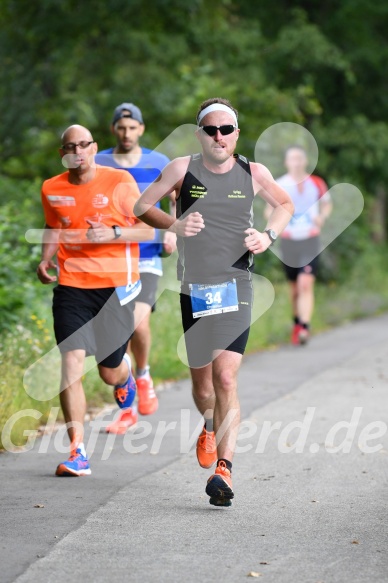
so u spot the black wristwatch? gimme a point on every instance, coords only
(272, 235)
(117, 231)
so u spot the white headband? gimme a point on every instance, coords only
(217, 107)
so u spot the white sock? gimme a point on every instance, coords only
(143, 373)
(82, 448)
(127, 359)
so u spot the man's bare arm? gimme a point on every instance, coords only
(275, 196)
(325, 210)
(266, 187)
(49, 250)
(169, 238)
(138, 233)
(169, 181)
(101, 233)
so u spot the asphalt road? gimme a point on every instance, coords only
(316, 515)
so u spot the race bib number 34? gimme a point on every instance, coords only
(210, 299)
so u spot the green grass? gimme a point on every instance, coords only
(364, 293)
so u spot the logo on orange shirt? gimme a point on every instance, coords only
(100, 201)
(56, 200)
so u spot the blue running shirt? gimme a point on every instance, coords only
(145, 172)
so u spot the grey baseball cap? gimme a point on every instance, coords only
(127, 110)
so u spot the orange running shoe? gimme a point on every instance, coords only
(147, 399)
(125, 419)
(206, 449)
(219, 486)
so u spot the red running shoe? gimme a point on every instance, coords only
(295, 334)
(125, 419)
(304, 335)
(147, 399)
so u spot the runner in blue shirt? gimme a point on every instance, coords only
(145, 166)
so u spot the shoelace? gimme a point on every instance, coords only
(149, 392)
(205, 442)
(121, 394)
(73, 455)
(223, 469)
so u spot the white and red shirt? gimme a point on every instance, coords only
(306, 196)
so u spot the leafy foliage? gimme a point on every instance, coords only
(18, 290)
(317, 64)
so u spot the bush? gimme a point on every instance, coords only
(19, 287)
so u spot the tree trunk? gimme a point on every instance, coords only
(379, 215)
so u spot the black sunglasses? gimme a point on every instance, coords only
(70, 147)
(224, 130)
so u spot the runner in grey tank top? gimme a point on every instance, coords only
(214, 191)
(225, 203)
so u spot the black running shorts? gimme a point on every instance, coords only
(149, 286)
(92, 320)
(300, 257)
(227, 331)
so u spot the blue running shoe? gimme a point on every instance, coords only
(125, 394)
(76, 465)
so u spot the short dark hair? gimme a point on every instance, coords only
(295, 147)
(212, 100)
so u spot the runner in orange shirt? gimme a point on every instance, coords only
(91, 227)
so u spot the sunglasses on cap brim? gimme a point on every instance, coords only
(225, 130)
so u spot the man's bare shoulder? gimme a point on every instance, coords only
(179, 165)
(261, 177)
(175, 171)
(259, 171)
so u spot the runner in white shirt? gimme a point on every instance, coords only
(300, 240)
